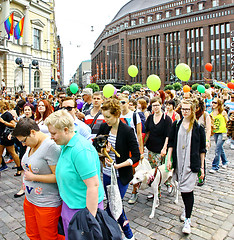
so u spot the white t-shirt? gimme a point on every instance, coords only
(129, 118)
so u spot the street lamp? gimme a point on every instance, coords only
(35, 64)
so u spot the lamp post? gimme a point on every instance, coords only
(19, 62)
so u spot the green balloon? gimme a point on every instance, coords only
(108, 90)
(74, 88)
(153, 82)
(201, 89)
(232, 80)
(183, 72)
(132, 71)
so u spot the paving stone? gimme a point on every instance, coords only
(220, 234)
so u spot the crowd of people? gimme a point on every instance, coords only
(50, 140)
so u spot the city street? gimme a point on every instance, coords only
(212, 217)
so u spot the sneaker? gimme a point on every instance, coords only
(133, 198)
(129, 238)
(170, 189)
(3, 168)
(182, 216)
(213, 171)
(187, 226)
(150, 196)
(232, 146)
(224, 166)
(9, 161)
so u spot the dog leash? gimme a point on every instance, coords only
(151, 179)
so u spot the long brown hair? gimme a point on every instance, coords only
(47, 112)
(193, 112)
(220, 105)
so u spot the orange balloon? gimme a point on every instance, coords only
(208, 67)
(186, 88)
(230, 85)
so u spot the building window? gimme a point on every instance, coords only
(36, 79)
(200, 6)
(149, 19)
(133, 22)
(36, 39)
(126, 24)
(159, 16)
(54, 56)
(168, 14)
(141, 20)
(189, 9)
(178, 11)
(215, 3)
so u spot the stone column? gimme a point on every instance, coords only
(5, 15)
(26, 27)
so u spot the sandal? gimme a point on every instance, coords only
(17, 174)
(18, 170)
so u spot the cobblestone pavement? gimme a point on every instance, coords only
(212, 217)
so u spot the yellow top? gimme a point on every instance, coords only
(219, 123)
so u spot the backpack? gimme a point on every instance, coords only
(142, 117)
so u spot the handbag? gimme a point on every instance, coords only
(114, 197)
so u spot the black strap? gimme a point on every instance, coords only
(135, 121)
(95, 118)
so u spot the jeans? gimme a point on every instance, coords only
(219, 151)
(123, 221)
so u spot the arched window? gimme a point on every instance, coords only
(36, 79)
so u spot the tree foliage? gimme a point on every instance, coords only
(136, 87)
(94, 86)
(194, 86)
(168, 87)
(68, 91)
(126, 87)
(177, 86)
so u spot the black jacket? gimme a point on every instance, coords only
(198, 144)
(84, 226)
(126, 142)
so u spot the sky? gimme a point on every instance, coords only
(74, 19)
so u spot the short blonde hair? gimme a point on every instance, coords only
(61, 119)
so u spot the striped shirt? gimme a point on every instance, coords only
(107, 169)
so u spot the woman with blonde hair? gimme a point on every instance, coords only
(187, 147)
(78, 169)
(220, 118)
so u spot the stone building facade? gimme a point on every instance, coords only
(157, 35)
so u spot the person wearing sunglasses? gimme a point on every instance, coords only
(70, 105)
(187, 147)
(220, 133)
(42, 204)
(60, 97)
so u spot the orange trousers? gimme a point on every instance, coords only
(42, 222)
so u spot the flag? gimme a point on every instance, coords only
(9, 25)
(19, 28)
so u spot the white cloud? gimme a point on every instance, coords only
(74, 19)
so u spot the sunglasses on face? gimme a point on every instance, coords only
(185, 109)
(68, 108)
(123, 102)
